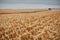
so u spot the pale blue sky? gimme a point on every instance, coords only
(29, 4)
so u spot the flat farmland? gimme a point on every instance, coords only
(30, 24)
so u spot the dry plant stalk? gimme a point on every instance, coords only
(17, 27)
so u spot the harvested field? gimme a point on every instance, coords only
(33, 25)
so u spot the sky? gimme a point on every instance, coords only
(29, 4)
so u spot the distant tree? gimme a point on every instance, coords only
(49, 8)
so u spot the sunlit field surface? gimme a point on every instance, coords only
(29, 24)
